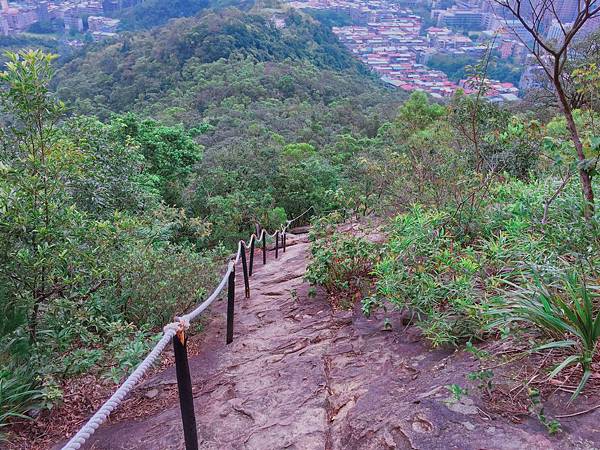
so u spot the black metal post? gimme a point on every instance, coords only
(245, 270)
(230, 305)
(186, 397)
(264, 239)
(284, 240)
(276, 244)
(252, 239)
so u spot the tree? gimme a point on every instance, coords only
(110, 172)
(32, 173)
(169, 153)
(584, 74)
(416, 114)
(80, 249)
(552, 57)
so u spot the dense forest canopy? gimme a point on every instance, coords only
(139, 69)
(152, 13)
(457, 68)
(245, 90)
(169, 146)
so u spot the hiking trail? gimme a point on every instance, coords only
(300, 375)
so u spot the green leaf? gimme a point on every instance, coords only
(567, 362)
(557, 344)
(584, 379)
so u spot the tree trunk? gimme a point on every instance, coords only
(584, 176)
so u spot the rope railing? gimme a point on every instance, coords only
(175, 331)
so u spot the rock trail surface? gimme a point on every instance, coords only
(299, 375)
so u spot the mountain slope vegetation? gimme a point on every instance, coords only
(139, 69)
(249, 93)
(170, 145)
(147, 157)
(236, 79)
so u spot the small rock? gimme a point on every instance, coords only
(464, 406)
(468, 425)
(389, 439)
(430, 393)
(422, 425)
(152, 393)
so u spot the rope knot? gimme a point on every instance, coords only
(183, 323)
(179, 325)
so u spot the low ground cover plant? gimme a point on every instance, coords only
(460, 286)
(340, 262)
(567, 314)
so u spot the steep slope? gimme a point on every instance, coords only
(152, 13)
(300, 375)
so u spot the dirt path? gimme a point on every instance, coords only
(301, 376)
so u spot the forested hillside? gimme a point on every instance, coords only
(181, 65)
(153, 13)
(272, 108)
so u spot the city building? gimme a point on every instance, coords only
(102, 24)
(73, 22)
(465, 19)
(556, 31)
(42, 12)
(388, 38)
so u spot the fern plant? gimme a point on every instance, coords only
(568, 314)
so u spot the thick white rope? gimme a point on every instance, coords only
(282, 230)
(115, 400)
(196, 312)
(182, 323)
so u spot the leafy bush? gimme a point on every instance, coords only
(155, 284)
(340, 262)
(427, 271)
(451, 278)
(91, 265)
(17, 395)
(275, 218)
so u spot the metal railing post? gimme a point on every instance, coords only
(264, 245)
(252, 239)
(184, 386)
(245, 270)
(230, 305)
(276, 244)
(284, 239)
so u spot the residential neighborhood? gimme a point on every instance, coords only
(393, 41)
(72, 16)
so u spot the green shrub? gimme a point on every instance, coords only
(451, 279)
(427, 271)
(275, 219)
(155, 284)
(340, 262)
